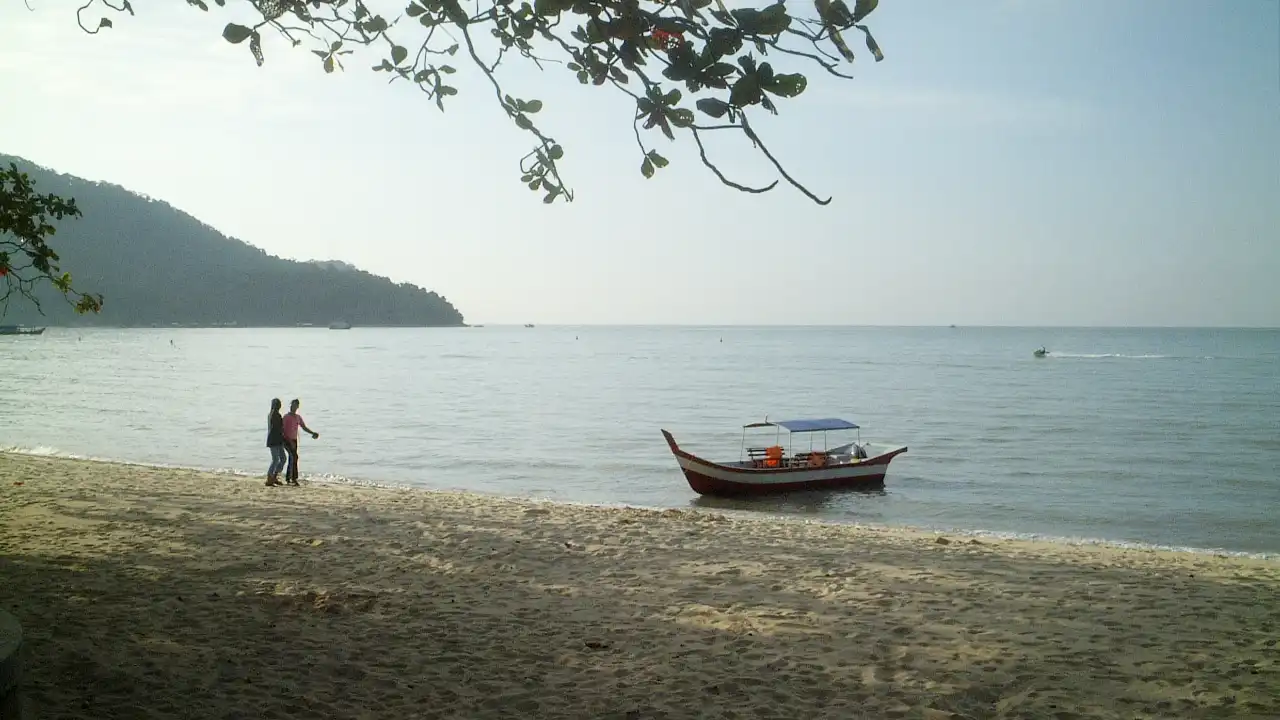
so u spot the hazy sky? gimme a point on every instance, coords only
(1012, 162)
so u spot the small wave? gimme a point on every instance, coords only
(1104, 542)
(45, 451)
(331, 478)
(1044, 538)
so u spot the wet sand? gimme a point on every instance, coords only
(155, 593)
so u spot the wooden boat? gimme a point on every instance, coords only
(771, 469)
(20, 330)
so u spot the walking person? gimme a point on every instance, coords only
(275, 443)
(293, 421)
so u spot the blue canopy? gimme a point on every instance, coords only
(806, 426)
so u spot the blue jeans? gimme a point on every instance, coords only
(277, 460)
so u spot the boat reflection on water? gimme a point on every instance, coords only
(804, 502)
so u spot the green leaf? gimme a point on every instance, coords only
(721, 70)
(646, 168)
(835, 13)
(863, 8)
(414, 10)
(328, 64)
(447, 69)
(746, 91)
(671, 98)
(747, 18)
(715, 107)
(532, 106)
(788, 85)
(398, 54)
(375, 25)
(681, 117)
(773, 20)
(235, 34)
(535, 184)
(556, 152)
(551, 7)
(455, 13)
(657, 160)
(523, 122)
(764, 74)
(104, 23)
(593, 31)
(872, 45)
(722, 42)
(452, 49)
(255, 47)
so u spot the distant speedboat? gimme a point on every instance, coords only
(1041, 352)
(528, 325)
(340, 325)
(20, 330)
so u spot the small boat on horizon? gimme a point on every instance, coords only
(339, 325)
(773, 469)
(20, 330)
(528, 325)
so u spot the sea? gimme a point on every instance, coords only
(1151, 437)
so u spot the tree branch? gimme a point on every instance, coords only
(707, 51)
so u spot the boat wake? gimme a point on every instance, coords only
(1123, 356)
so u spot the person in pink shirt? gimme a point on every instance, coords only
(293, 421)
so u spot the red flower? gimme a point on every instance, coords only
(667, 40)
(3, 271)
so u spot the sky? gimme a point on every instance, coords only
(1011, 162)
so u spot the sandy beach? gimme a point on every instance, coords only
(156, 593)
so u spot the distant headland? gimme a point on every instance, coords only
(157, 266)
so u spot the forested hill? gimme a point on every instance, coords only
(156, 265)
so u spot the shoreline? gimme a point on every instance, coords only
(165, 593)
(743, 515)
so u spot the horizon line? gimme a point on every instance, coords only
(91, 326)
(956, 326)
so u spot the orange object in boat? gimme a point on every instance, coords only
(773, 456)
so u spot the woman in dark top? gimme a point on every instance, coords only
(275, 442)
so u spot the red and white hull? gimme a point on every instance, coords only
(710, 478)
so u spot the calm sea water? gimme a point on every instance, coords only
(1168, 437)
